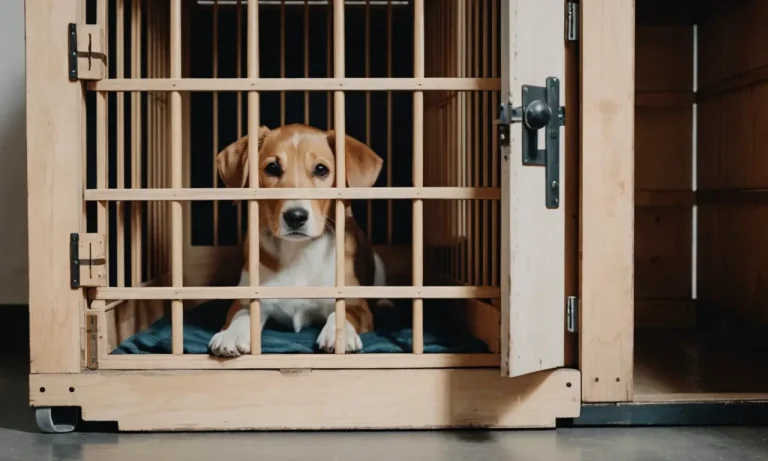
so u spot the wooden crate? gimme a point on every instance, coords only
(125, 119)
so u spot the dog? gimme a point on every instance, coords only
(297, 241)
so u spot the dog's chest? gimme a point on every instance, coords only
(312, 264)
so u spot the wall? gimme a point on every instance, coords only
(13, 172)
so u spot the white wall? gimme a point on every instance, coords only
(13, 159)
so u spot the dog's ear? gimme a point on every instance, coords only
(232, 161)
(362, 164)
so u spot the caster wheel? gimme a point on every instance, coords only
(56, 420)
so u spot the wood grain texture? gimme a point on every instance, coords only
(54, 182)
(607, 209)
(533, 243)
(317, 399)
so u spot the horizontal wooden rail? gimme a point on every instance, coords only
(393, 193)
(293, 361)
(297, 84)
(180, 293)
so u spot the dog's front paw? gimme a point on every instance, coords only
(231, 342)
(327, 338)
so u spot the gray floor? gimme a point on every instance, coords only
(20, 440)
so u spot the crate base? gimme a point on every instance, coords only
(314, 399)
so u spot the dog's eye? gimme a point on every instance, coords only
(273, 169)
(321, 170)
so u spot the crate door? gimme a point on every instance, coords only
(533, 199)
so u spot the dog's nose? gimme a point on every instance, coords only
(295, 217)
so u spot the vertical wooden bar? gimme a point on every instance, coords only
(282, 60)
(150, 103)
(102, 140)
(54, 118)
(476, 150)
(341, 175)
(136, 139)
(418, 176)
(328, 63)
(486, 160)
(306, 59)
(495, 146)
(215, 95)
(389, 120)
(253, 173)
(607, 200)
(120, 206)
(177, 235)
(369, 216)
(238, 73)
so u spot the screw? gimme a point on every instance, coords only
(554, 184)
(552, 133)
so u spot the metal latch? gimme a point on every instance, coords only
(541, 109)
(92, 341)
(572, 314)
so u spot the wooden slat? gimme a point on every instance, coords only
(607, 208)
(298, 84)
(431, 292)
(54, 181)
(288, 361)
(410, 399)
(665, 198)
(401, 193)
(664, 58)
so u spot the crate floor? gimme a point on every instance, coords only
(670, 362)
(441, 336)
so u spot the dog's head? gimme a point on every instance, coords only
(297, 156)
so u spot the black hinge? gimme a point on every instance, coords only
(72, 50)
(74, 260)
(572, 21)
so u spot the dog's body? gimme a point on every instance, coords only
(297, 244)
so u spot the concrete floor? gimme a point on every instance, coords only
(21, 440)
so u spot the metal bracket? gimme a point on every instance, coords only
(85, 52)
(572, 314)
(87, 262)
(541, 109)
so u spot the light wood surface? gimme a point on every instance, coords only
(607, 209)
(316, 399)
(533, 237)
(55, 148)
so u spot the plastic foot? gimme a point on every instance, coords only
(56, 420)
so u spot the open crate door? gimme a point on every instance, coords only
(533, 161)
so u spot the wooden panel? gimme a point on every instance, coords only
(733, 269)
(665, 313)
(316, 399)
(607, 209)
(533, 296)
(663, 253)
(664, 59)
(54, 149)
(663, 147)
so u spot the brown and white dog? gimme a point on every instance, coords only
(297, 242)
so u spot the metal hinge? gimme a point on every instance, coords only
(87, 260)
(92, 341)
(572, 314)
(572, 21)
(87, 56)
